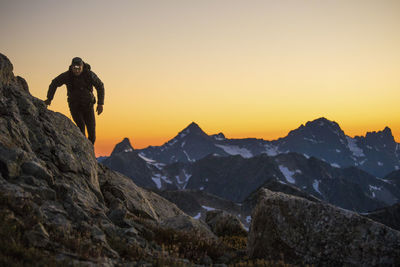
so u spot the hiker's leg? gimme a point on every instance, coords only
(77, 116)
(90, 122)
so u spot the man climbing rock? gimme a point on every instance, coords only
(80, 80)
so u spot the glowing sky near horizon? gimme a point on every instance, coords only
(244, 68)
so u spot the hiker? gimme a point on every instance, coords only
(80, 80)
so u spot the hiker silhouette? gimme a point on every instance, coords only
(80, 80)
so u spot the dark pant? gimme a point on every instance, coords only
(83, 116)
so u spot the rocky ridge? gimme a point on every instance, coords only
(58, 204)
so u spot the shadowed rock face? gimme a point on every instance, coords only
(52, 187)
(40, 146)
(305, 232)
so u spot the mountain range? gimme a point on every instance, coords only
(376, 153)
(318, 158)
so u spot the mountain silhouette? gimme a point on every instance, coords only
(376, 153)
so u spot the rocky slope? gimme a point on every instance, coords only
(305, 232)
(58, 204)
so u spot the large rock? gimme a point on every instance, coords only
(186, 223)
(121, 193)
(225, 224)
(305, 232)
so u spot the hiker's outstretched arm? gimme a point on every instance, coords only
(56, 82)
(98, 84)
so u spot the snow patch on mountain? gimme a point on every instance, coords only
(373, 189)
(183, 134)
(157, 178)
(186, 179)
(271, 150)
(157, 181)
(208, 208)
(316, 186)
(128, 150)
(384, 180)
(152, 162)
(187, 155)
(289, 175)
(352, 145)
(313, 140)
(335, 165)
(363, 161)
(248, 219)
(219, 138)
(148, 160)
(235, 150)
(197, 216)
(172, 142)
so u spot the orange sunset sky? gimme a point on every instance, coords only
(245, 68)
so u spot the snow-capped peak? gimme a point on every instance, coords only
(124, 146)
(219, 137)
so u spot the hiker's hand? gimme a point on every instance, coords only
(47, 102)
(99, 109)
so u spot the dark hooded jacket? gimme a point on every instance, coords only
(79, 88)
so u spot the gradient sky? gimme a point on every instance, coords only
(245, 68)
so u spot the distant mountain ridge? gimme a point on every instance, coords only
(376, 153)
(318, 158)
(235, 178)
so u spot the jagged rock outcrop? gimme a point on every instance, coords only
(58, 200)
(305, 232)
(6, 71)
(225, 224)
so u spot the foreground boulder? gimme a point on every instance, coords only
(126, 200)
(223, 223)
(305, 232)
